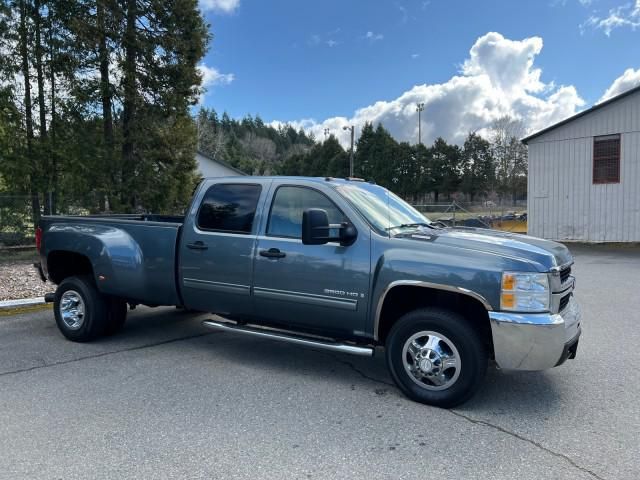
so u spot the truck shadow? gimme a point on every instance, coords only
(519, 393)
(524, 394)
(530, 395)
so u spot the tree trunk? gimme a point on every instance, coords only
(54, 158)
(42, 109)
(39, 70)
(105, 93)
(127, 195)
(24, 54)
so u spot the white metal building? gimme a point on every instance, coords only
(209, 167)
(584, 174)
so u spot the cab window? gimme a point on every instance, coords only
(285, 219)
(229, 208)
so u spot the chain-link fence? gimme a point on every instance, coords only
(510, 216)
(17, 226)
(16, 220)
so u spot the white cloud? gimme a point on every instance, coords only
(563, 3)
(403, 12)
(211, 77)
(627, 15)
(328, 39)
(373, 36)
(628, 80)
(415, 55)
(499, 78)
(509, 63)
(224, 6)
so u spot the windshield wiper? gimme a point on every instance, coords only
(410, 225)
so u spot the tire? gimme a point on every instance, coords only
(116, 315)
(450, 364)
(80, 310)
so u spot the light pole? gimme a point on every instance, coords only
(419, 109)
(352, 128)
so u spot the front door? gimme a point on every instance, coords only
(216, 250)
(310, 286)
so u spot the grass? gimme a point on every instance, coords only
(8, 312)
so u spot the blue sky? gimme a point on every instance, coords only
(330, 63)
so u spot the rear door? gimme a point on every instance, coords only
(217, 245)
(323, 287)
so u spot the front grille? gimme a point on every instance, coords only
(565, 273)
(564, 301)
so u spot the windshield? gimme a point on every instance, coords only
(384, 210)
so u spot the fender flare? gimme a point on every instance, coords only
(418, 283)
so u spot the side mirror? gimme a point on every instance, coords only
(316, 229)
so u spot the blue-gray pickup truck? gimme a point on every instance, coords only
(338, 264)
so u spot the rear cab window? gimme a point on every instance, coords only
(229, 207)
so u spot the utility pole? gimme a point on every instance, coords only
(352, 128)
(419, 109)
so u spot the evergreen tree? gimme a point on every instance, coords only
(423, 166)
(252, 145)
(406, 175)
(478, 175)
(363, 156)
(103, 99)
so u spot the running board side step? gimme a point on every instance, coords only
(291, 338)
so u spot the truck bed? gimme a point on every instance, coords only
(134, 217)
(132, 256)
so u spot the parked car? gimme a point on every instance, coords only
(338, 264)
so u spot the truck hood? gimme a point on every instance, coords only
(545, 253)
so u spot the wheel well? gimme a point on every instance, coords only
(62, 264)
(404, 299)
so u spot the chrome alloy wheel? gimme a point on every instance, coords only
(72, 309)
(431, 360)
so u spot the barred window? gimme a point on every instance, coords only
(606, 159)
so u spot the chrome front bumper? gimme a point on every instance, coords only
(535, 341)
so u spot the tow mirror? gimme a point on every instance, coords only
(316, 229)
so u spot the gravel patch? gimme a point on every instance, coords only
(21, 280)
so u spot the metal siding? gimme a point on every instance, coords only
(564, 204)
(619, 117)
(552, 205)
(534, 202)
(630, 178)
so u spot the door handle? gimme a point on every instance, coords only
(272, 253)
(197, 245)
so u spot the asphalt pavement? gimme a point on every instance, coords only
(168, 398)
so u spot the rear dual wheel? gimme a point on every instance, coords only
(83, 314)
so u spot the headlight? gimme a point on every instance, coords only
(525, 292)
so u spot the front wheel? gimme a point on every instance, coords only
(436, 357)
